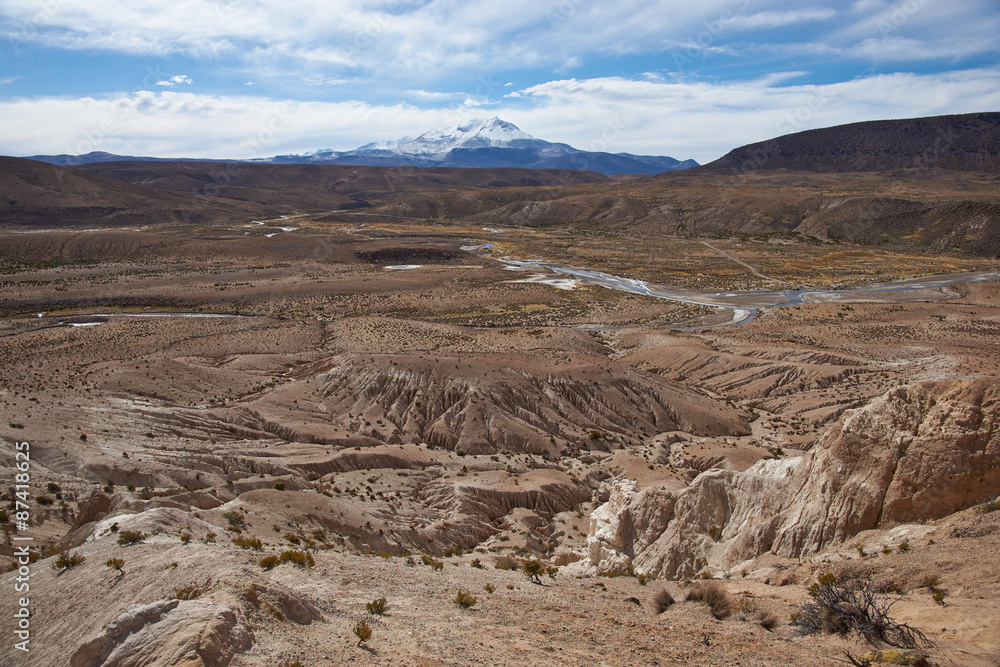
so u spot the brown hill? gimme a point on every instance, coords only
(38, 194)
(966, 142)
(301, 187)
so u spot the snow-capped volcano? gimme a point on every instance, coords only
(489, 133)
(492, 142)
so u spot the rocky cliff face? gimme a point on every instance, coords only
(918, 453)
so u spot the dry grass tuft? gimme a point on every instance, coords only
(714, 595)
(662, 600)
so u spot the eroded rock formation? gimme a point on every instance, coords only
(918, 453)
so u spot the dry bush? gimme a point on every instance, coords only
(766, 619)
(745, 606)
(67, 560)
(378, 606)
(190, 592)
(990, 507)
(465, 599)
(714, 595)
(300, 558)
(506, 563)
(129, 537)
(532, 570)
(362, 631)
(662, 600)
(248, 542)
(853, 602)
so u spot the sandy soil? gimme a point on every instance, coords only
(371, 415)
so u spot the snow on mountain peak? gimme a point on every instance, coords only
(478, 133)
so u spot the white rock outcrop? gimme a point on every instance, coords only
(193, 633)
(917, 453)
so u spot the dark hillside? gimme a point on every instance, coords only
(967, 142)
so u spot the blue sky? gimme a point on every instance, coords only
(251, 78)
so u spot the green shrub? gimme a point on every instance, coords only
(235, 519)
(248, 542)
(300, 558)
(465, 599)
(116, 564)
(362, 631)
(189, 592)
(378, 606)
(532, 570)
(67, 560)
(129, 537)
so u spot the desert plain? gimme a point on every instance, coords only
(381, 393)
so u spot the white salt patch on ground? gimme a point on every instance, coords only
(558, 283)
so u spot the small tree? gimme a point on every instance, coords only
(116, 564)
(533, 570)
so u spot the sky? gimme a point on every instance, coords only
(244, 79)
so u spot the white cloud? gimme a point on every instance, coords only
(686, 119)
(176, 80)
(429, 40)
(704, 120)
(778, 19)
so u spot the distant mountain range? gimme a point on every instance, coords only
(918, 184)
(964, 142)
(477, 143)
